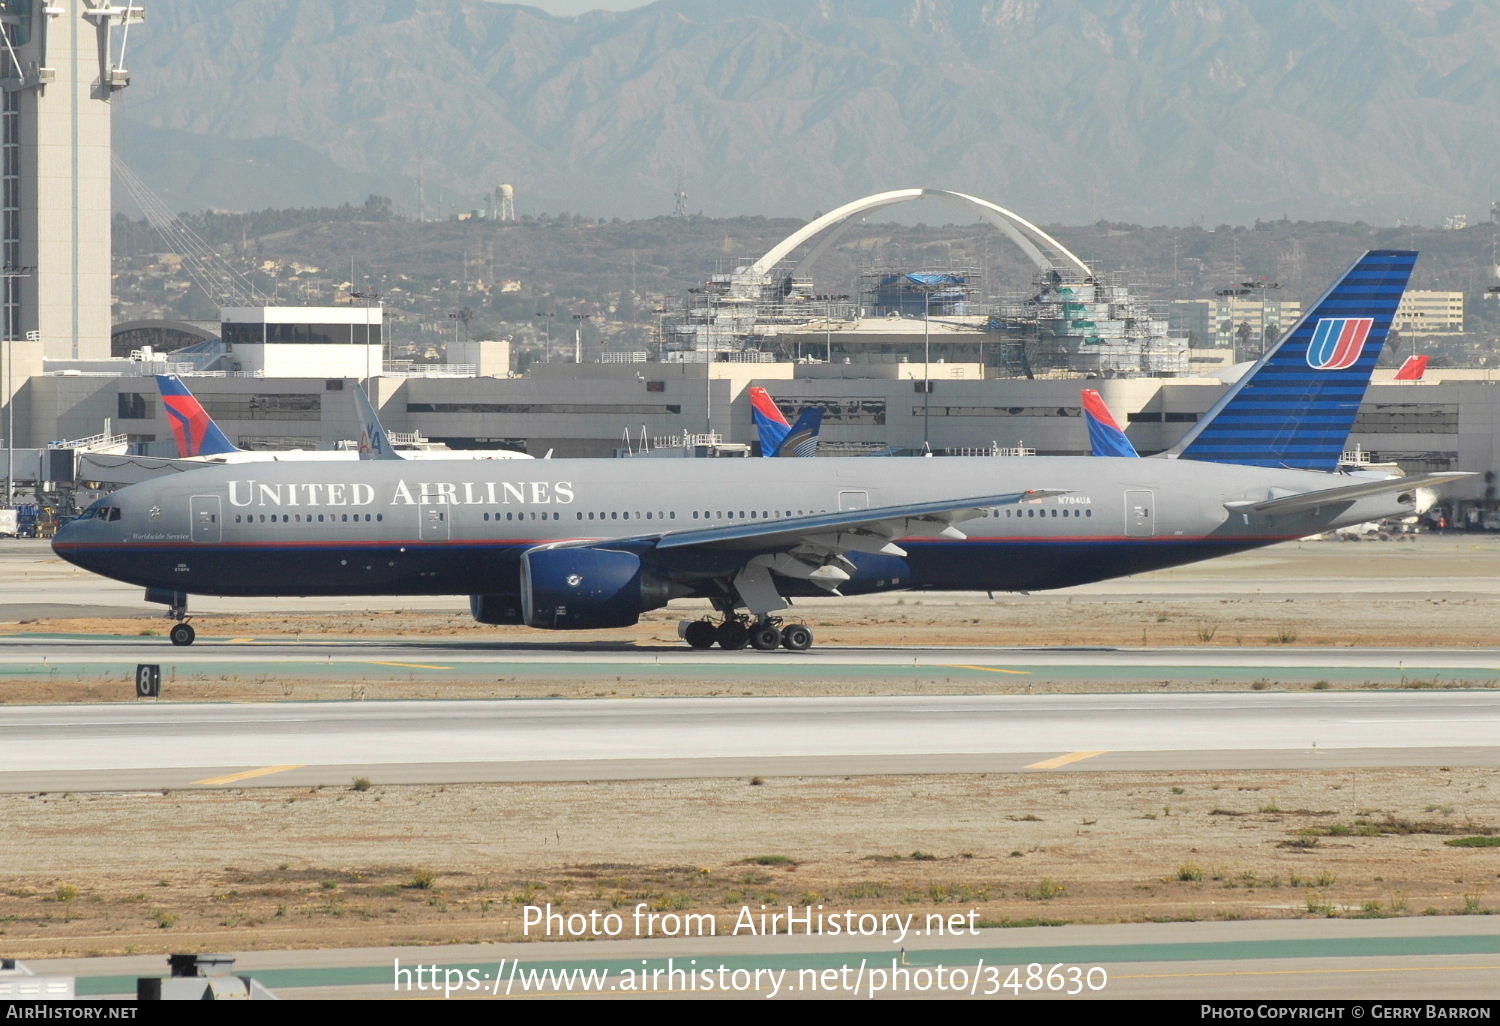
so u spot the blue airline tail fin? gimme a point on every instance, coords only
(197, 434)
(1105, 435)
(802, 439)
(374, 443)
(769, 421)
(1296, 406)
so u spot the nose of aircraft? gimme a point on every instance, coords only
(76, 540)
(65, 540)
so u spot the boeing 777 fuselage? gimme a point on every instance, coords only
(444, 528)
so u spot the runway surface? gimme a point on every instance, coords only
(50, 656)
(1425, 958)
(115, 747)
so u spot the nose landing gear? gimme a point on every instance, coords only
(176, 602)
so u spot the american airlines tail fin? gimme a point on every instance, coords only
(802, 439)
(374, 443)
(197, 434)
(1296, 405)
(769, 421)
(1106, 438)
(1413, 368)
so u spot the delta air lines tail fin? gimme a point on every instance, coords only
(197, 434)
(1413, 368)
(1106, 438)
(769, 420)
(1296, 406)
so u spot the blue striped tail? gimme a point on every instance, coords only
(1296, 406)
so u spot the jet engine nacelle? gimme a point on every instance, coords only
(586, 589)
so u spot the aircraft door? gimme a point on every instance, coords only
(433, 522)
(1140, 514)
(207, 514)
(853, 500)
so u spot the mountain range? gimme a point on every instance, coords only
(1146, 111)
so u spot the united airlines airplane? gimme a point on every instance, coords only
(587, 544)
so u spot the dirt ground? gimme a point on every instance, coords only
(301, 868)
(400, 865)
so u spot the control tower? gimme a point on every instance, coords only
(60, 66)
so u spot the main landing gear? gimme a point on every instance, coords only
(735, 632)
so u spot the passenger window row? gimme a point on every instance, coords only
(309, 518)
(1034, 513)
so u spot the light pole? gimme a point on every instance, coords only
(578, 320)
(10, 274)
(926, 369)
(369, 296)
(1245, 288)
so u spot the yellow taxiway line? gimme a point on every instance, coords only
(1063, 760)
(986, 669)
(234, 778)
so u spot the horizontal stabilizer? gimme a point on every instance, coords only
(1305, 501)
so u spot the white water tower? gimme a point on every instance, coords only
(505, 203)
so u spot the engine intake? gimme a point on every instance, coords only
(586, 589)
(496, 610)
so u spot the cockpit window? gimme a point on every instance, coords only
(101, 512)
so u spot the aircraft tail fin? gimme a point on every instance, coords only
(802, 439)
(374, 443)
(769, 420)
(1297, 404)
(1413, 368)
(197, 434)
(1106, 438)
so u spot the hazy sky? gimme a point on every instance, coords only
(567, 7)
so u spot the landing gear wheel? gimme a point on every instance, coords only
(183, 634)
(701, 634)
(732, 635)
(766, 638)
(796, 638)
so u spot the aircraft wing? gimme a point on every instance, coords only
(857, 530)
(807, 548)
(1301, 502)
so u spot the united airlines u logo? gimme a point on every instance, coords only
(1337, 342)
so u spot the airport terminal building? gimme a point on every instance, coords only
(1449, 421)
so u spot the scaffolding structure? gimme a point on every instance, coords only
(928, 292)
(736, 316)
(1085, 325)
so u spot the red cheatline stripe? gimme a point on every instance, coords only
(509, 542)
